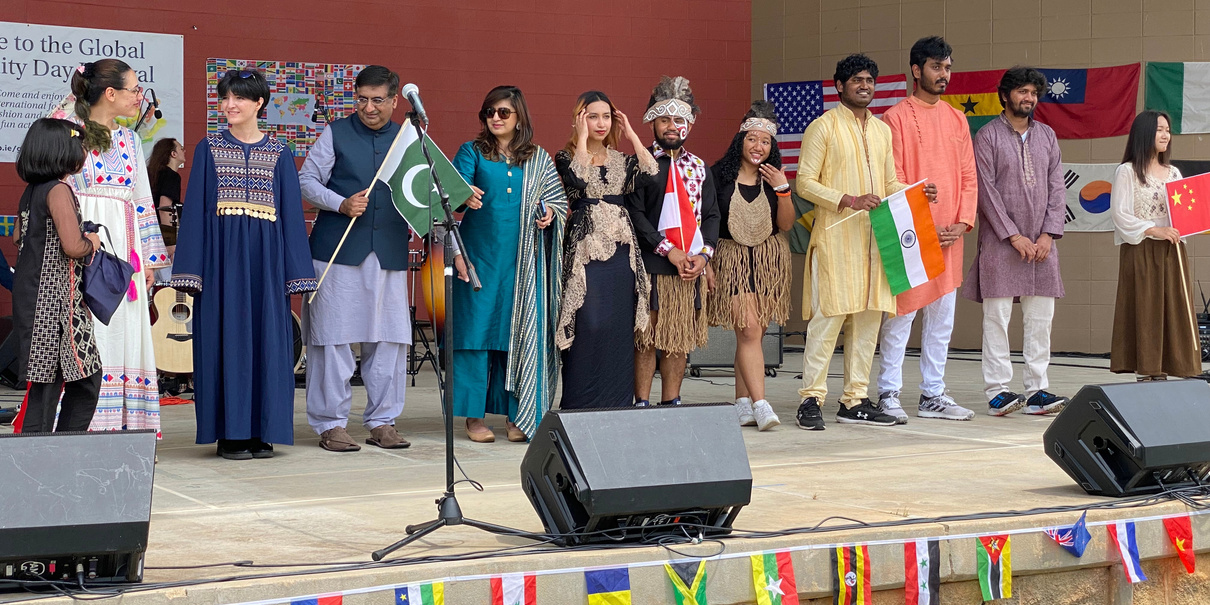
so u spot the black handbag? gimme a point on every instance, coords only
(106, 278)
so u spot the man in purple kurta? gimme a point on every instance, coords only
(1021, 213)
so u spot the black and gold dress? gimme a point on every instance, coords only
(603, 280)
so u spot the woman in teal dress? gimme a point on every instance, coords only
(505, 359)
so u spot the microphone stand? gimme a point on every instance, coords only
(448, 511)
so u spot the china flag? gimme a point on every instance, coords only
(1180, 531)
(1189, 204)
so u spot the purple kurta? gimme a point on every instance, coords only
(1020, 192)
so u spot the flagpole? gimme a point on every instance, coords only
(352, 220)
(856, 212)
(1180, 257)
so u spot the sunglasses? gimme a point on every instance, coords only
(243, 73)
(503, 112)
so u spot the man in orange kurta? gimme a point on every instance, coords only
(931, 140)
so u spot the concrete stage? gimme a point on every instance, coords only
(308, 505)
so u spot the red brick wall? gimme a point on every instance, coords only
(455, 51)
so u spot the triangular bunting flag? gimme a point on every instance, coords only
(1180, 531)
(1121, 533)
(323, 600)
(921, 572)
(773, 579)
(995, 566)
(432, 593)
(688, 582)
(608, 586)
(515, 589)
(851, 575)
(1074, 539)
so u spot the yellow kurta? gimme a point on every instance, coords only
(839, 158)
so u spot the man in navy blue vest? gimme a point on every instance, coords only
(364, 298)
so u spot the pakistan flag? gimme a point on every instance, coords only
(406, 173)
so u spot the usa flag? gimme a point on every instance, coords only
(799, 103)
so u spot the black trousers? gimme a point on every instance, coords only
(79, 403)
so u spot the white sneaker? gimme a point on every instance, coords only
(888, 403)
(942, 406)
(743, 407)
(765, 418)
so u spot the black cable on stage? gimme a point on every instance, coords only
(1194, 497)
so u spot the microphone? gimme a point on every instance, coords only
(412, 92)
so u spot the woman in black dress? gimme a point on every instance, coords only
(603, 274)
(54, 328)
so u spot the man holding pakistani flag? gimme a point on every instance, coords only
(361, 232)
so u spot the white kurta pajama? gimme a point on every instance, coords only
(365, 304)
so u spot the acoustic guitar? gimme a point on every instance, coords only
(172, 332)
(432, 280)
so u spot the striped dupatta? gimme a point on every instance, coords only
(533, 357)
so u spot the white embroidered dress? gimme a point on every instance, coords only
(114, 191)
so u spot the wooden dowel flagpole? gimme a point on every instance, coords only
(353, 219)
(1180, 257)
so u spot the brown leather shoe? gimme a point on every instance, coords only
(484, 436)
(516, 435)
(387, 438)
(338, 440)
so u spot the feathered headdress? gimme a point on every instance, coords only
(672, 97)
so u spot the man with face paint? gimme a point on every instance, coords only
(364, 298)
(845, 168)
(676, 220)
(1022, 210)
(931, 140)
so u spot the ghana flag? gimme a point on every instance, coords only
(995, 567)
(851, 575)
(1077, 103)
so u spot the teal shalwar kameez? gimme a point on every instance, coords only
(505, 361)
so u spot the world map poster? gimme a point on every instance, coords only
(303, 97)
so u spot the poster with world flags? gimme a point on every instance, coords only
(799, 103)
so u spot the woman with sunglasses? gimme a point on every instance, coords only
(505, 361)
(243, 250)
(114, 190)
(603, 274)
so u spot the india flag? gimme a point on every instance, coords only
(907, 239)
(1182, 90)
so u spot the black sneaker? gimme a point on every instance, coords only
(1005, 403)
(864, 413)
(809, 415)
(1042, 403)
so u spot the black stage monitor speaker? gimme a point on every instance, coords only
(610, 475)
(75, 504)
(1134, 438)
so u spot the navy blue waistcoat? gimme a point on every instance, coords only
(359, 153)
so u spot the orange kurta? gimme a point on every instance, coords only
(934, 142)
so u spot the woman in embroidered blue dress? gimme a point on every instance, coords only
(243, 250)
(505, 360)
(113, 190)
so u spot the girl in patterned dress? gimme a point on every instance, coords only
(54, 329)
(113, 190)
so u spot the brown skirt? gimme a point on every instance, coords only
(1154, 330)
(750, 278)
(678, 321)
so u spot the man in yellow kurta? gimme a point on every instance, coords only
(845, 168)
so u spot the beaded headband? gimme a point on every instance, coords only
(675, 108)
(759, 124)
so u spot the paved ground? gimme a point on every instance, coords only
(308, 505)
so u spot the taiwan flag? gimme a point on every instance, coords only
(1077, 103)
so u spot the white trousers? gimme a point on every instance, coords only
(384, 368)
(1037, 311)
(936, 327)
